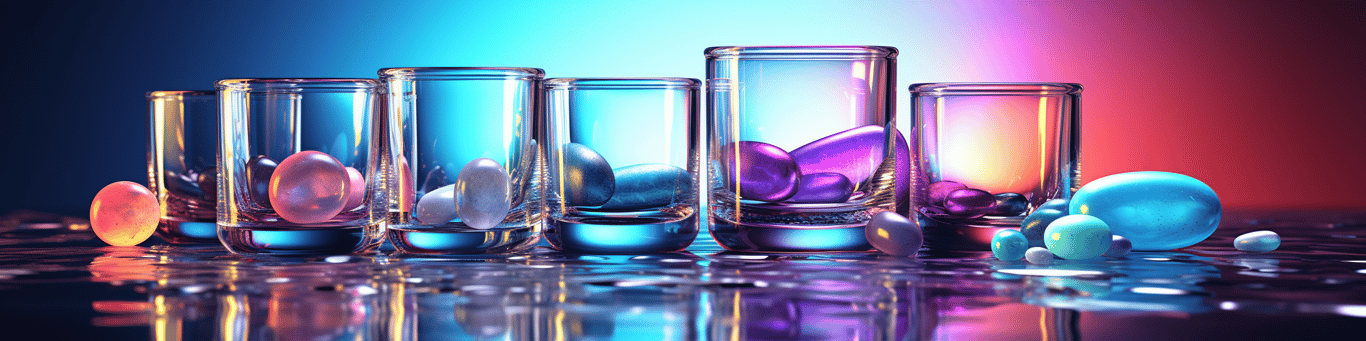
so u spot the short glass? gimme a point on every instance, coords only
(461, 146)
(298, 168)
(623, 164)
(181, 163)
(803, 147)
(989, 154)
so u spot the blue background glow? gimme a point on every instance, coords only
(1179, 87)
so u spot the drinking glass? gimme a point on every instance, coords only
(298, 170)
(803, 147)
(989, 154)
(181, 164)
(461, 145)
(622, 159)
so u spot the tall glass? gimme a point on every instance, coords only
(460, 142)
(989, 154)
(622, 159)
(181, 163)
(803, 147)
(298, 169)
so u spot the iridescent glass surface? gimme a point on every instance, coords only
(58, 282)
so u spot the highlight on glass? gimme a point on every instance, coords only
(464, 164)
(989, 154)
(803, 147)
(181, 163)
(298, 168)
(623, 164)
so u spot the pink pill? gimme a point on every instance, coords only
(355, 190)
(124, 213)
(309, 187)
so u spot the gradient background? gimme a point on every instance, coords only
(1262, 101)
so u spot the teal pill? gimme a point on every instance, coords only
(1033, 225)
(1009, 245)
(1260, 241)
(1038, 255)
(1077, 236)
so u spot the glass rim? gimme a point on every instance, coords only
(525, 73)
(815, 52)
(175, 93)
(1001, 88)
(623, 83)
(297, 84)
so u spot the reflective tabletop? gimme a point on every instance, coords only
(59, 282)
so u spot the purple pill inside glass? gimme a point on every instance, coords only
(968, 203)
(760, 171)
(940, 190)
(823, 188)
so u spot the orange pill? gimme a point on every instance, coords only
(124, 214)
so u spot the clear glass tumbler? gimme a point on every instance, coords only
(298, 171)
(803, 147)
(461, 144)
(623, 164)
(181, 163)
(989, 154)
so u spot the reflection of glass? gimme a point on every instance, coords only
(819, 310)
(622, 164)
(266, 121)
(802, 145)
(181, 163)
(301, 311)
(460, 144)
(1000, 139)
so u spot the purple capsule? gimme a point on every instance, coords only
(857, 153)
(823, 188)
(1009, 204)
(968, 203)
(259, 170)
(760, 171)
(940, 190)
(309, 187)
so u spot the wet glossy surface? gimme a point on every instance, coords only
(57, 281)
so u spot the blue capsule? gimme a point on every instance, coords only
(1157, 211)
(1055, 204)
(1034, 225)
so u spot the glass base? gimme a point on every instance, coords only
(616, 235)
(179, 231)
(289, 241)
(789, 238)
(448, 240)
(957, 234)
